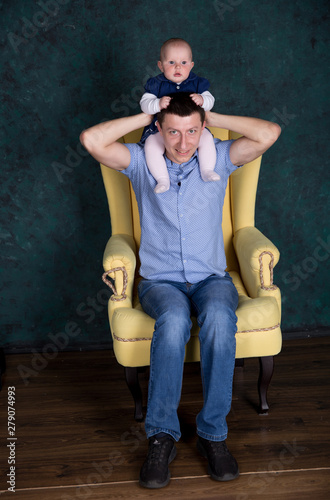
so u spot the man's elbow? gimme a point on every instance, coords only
(85, 139)
(276, 131)
(92, 140)
(271, 133)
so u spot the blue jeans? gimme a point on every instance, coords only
(213, 302)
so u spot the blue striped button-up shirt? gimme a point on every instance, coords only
(181, 234)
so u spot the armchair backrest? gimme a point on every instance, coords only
(238, 210)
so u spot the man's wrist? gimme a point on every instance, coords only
(146, 119)
(213, 119)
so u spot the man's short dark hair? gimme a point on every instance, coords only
(181, 104)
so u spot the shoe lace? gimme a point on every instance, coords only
(157, 450)
(219, 448)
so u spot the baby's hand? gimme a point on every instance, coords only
(164, 102)
(198, 99)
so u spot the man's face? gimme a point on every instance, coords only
(181, 136)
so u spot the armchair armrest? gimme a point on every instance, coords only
(120, 253)
(257, 256)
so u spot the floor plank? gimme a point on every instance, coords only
(76, 437)
(302, 485)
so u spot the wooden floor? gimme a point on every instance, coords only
(76, 437)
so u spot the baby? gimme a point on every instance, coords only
(176, 65)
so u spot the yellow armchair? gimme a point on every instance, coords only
(251, 258)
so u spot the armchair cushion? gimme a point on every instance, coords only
(132, 329)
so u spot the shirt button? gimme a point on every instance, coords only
(181, 215)
(183, 239)
(184, 261)
(178, 86)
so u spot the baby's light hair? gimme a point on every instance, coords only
(172, 41)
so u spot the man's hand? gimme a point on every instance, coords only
(198, 99)
(164, 102)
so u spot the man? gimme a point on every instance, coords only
(183, 268)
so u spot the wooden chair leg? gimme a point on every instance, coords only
(132, 379)
(265, 375)
(239, 363)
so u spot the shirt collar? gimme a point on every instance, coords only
(183, 168)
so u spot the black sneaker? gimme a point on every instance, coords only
(155, 472)
(222, 465)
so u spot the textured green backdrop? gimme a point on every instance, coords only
(68, 64)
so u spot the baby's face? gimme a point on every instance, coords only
(177, 63)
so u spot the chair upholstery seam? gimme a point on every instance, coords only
(139, 339)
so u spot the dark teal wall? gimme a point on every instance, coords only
(68, 64)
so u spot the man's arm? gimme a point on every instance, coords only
(100, 140)
(258, 135)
